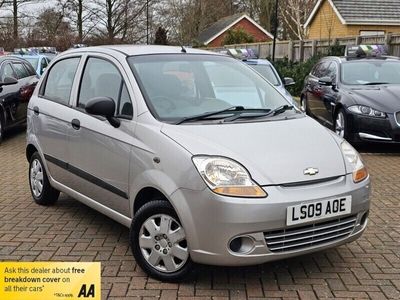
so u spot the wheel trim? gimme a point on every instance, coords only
(303, 105)
(339, 125)
(160, 239)
(36, 178)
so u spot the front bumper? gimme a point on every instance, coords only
(370, 129)
(211, 221)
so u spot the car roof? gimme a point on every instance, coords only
(27, 56)
(10, 57)
(342, 59)
(132, 50)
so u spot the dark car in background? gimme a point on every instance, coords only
(17, 81)
(356, 96)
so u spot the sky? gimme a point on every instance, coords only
(29, 8)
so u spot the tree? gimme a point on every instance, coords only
(293, 15)
(51, 28)
(262, 11)
(161, 36)
(81, 15)
(120, 20)
(185, 19)
(237, 36)
(15, 5)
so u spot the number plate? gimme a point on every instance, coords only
(318, 210)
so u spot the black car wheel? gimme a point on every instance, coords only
(1, 126)
(341, 124)
(158, 242)
(304, 105)
(42, 192)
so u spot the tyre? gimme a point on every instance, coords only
(340, 125)
(304, 105)
(42, 192)
(1, 126)
(158, 242)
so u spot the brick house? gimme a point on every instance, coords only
(214, 35)
(342, 18)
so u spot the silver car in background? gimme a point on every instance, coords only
(198, 154)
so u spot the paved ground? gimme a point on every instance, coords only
(70, 231)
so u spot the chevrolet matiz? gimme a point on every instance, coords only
(201, 157)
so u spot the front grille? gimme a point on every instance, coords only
(397, 116)
(309, 235)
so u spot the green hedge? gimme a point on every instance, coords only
(299, 70)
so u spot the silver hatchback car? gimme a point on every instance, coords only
(198, 154)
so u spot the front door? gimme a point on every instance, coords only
(99, 154)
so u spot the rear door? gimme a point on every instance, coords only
(51, 110)
(99, 154)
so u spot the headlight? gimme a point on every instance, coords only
(359, 170)
(227, 177)
(366, 111)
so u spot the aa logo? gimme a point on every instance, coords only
(86, 293)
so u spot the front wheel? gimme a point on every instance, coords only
(341, 124)
(158, 242)
(1, 126)
(304, 105)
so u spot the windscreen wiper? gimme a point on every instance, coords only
(375, 83)
(250, 113)
(279, 110)
(210, 114)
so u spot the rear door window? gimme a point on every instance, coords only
(20, 70)
(60, 80)
(7, 71)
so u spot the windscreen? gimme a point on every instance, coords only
(267, 72)
(33, 61)
(178, 86)
(369, 72)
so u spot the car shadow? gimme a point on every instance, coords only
(13, 132)
(379, 148)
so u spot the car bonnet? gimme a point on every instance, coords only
(274, 152)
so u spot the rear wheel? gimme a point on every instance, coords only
(42, 192)
(158, 242)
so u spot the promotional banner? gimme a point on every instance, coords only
(50, 280)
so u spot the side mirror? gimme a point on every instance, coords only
(9, 81)
(326, 81)
(288, 81)
(103, 106)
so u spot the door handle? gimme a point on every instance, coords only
(36, 110)
(76, 124)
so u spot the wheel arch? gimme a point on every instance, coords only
(30, 150)
(338, 107)
(146, 195)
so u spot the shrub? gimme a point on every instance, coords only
(299, 70)
(237, 36)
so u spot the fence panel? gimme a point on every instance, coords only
(293, 50)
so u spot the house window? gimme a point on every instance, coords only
(371, 32)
